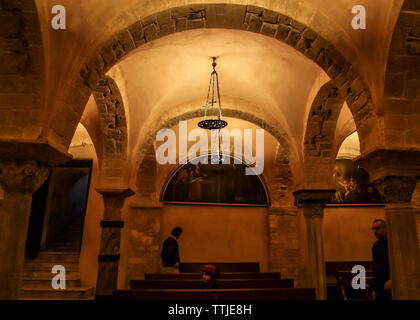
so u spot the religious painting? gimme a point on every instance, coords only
(215, 183)
(352, 184)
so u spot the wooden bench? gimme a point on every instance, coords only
(222, 284)
(339, 275)
(344, 280)
(196, 267)
(332, 267)
(224, 275)
(217, 294)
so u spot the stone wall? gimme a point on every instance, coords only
(402, 82)
(22, 75)
(283, 241)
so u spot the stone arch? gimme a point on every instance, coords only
(320, 131)
(113, 122)
(279, 189)
(402, 80)
(242, 17)
(146, 176)
(322, 120)
(282, 138)
(22, 71)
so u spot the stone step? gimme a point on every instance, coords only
(45, 283)
(57, 255)
(71, 237)
(44, 274)
(64, 248)
(66, 243)
(51, 294)
(57, 245)
(48, 265)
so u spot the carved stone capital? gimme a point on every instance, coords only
(114, 201)
(115, 197)
(381, 163)
(313, 201)
(313, 195)
(396, 189)
(22, 176)
(395, 173)
(37, 150)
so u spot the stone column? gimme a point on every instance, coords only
(403, 249)
(313, 203)
(19, 179)
(395, 174)
(109, 254)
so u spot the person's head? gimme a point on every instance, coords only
(378, 226)
(176, 232)
(209, 272)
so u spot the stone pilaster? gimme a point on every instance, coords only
(19, 179)
(144, 243)
(395, 174)
(24, 166)
(313, 203)
(283, 242)
(109, 254)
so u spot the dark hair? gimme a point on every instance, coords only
(176, 232)
(211, 270)
(379, 220)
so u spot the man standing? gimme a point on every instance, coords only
(381, 274)
(170, 252)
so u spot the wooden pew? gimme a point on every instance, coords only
(196, 267)
(217, 294)
(332, 267)
(344, 279)
(222, 284)
(224, 275)
(339, 276)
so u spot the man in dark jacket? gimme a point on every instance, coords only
(170, 252)
(381, 274)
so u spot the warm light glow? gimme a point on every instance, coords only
(350, 148)
(82, 146)
(81, 137)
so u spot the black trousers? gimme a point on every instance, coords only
(383, 295)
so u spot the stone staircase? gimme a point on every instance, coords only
(68, 239)
(37, 276)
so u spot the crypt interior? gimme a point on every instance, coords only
(80, 184)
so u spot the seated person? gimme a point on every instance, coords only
(210, 274)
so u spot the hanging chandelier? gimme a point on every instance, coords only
(213, 119)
